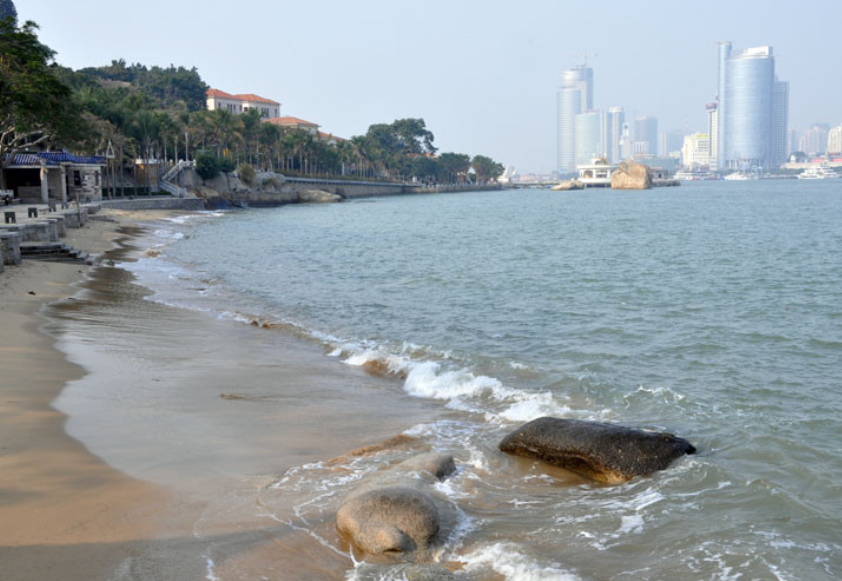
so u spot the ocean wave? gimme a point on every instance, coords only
(512, 562)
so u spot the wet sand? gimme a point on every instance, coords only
(158, 466)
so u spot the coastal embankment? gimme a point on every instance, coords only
(269, 189)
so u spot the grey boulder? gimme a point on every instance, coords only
(604, 452)
(393, 519)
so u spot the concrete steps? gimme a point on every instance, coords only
(54, 252)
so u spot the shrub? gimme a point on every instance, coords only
(207, 165)
(247, 173)
(227, 165)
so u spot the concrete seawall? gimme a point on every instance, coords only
(156, 204)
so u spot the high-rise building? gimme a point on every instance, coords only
(663, 146)
(794, 141)
(626, 150)
(780, 122)
(753, 109)
(646, 129)
(615, 122)
(814, 140)
(590, 136)
(834, 141)
(696, 150)
(713, 132)
(575, 96)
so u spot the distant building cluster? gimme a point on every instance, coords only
(747, 124)
(584, 133)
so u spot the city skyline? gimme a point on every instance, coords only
(490, 82)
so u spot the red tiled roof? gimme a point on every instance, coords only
(256, 99)
(328, 136)
(251, 97)
(220, 94)
(290, 121)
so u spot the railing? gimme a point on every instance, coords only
(173, 172)
(173, 189)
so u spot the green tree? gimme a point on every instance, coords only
(486, 168)
(455, 167)
(36, 108)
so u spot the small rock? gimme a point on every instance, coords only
(439, 465)
(605, 452)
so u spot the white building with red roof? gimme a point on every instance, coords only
(238, 104)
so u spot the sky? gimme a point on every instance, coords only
(482, 73)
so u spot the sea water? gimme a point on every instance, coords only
(712, 310)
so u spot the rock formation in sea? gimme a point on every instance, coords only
(397, 511)
(604, 452)
(631, 175)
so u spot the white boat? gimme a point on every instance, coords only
(740, 176)
(695, 176)
(819, 172)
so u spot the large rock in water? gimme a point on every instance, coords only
(605, 452)
(318, 197)
(394, 519)
(631, 175)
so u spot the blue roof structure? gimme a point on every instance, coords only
(54, 158)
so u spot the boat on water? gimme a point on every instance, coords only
(819, 172)
(740, 176)
(695, 176)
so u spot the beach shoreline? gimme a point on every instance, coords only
(62, 508)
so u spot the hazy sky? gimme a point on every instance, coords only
(482, 73)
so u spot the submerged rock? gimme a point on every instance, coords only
(568, 185)
(318, 197)
(605, 452)
(394, 519)
(631, 175)
(439, 465)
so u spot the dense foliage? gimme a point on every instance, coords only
(154, 113)
(36, 108)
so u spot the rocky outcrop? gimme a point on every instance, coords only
(392, 519)
(318, 197)
(631, 175)
(398, 510)
(605, 452)
(568, 185)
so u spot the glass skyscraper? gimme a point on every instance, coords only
(753, 109)
(575, 96)
(646, 131)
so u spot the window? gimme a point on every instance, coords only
(77, 179)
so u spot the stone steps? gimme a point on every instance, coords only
(54, 252)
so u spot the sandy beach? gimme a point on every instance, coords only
(61, 508)
(151, 490)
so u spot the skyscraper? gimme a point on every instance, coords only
(753, 109)
(780, 122)
(590, 135)
(834, 141)
(646, 130)
(575, 96)
(713, 132)
(616, 120)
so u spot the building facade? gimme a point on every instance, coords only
(575, 96)
(590, 133)
(646, 130)
(238, 104)
(713, 132)
(834, 141)
(696, 151)
(615, 123)
(753, 109)
(814, 140)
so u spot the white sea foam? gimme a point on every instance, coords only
(511, 561)
(169, 234)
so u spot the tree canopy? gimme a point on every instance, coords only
(35, 106)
